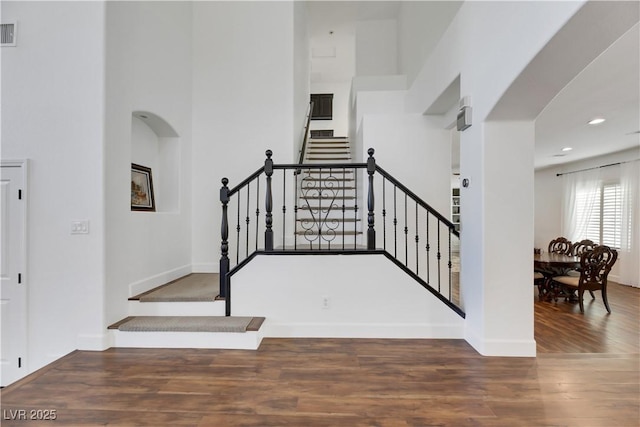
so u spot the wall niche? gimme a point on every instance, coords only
(156, 145)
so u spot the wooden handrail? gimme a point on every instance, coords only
(306, 134)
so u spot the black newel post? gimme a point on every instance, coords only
(268, 233)
(224, 247)
(371, 232)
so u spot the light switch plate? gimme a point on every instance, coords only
(80, 227)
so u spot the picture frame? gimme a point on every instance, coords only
(142, 198)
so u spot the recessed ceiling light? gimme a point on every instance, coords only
(597, 121)
(567, 149)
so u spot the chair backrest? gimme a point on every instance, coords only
(579, 247)
(596, 264)
(560, 245)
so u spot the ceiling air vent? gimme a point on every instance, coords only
(8, 33)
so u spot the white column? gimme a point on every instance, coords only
(497, 243)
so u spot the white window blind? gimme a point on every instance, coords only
(611, 215)
(603, 214)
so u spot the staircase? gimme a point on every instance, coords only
(327, 213)
(185, 313)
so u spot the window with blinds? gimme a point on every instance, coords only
(602, 213)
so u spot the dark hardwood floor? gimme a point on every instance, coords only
(586, 374)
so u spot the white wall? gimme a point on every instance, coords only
(243, 104)
(340, 121)
(53, 114)
(147, 69)
(420, 25)
(415, 150)
(376, 48)
(301, 73)
(367, 296)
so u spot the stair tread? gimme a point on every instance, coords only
(188, 324)
(337, 233)
(328, 158)
(327, 198)
(332, 180)
(337, 171)
(335, 208)
(331, 219)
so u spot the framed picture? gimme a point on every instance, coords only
(141, 189)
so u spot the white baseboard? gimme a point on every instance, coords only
(149, 283)
(94, 342)
(361, 330)
(205, 268)
(503, 348)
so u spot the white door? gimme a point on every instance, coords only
(13, 295)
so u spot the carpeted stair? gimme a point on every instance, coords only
(185, 313)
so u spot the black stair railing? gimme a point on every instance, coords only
(326, 219)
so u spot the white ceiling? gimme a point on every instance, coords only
(608, 87)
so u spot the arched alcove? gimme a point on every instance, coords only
(155, 145)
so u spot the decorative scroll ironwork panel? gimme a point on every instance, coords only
(328, 209)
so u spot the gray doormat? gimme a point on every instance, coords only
(185, 324)
(194, 287)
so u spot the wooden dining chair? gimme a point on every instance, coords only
(595, 266)
(578, 248)
(560, 245)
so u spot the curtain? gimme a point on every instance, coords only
(629, 254)
(581, 197)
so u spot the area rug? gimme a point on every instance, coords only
(185, 324)
(194, 287)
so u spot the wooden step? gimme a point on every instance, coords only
(335, 209)
(328, 158)
(339, 219)
(329, 198)
(335, 140)
(336, 171)
(331, 180)
(337, 233)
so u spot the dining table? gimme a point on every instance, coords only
(552, 264)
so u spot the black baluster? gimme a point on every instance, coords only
(295, 208)
(417, 239)
(344, 201)
(238, 231)
(268, 233)
(438, 256)
(395, 222)
(247, 220)
(355, 207)
(450, 265)
(319, 210)
(428, 248)
(371, 232)
(224, 246)
(257, 209)
(284, 204)
(406, 233)
(384, 215)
